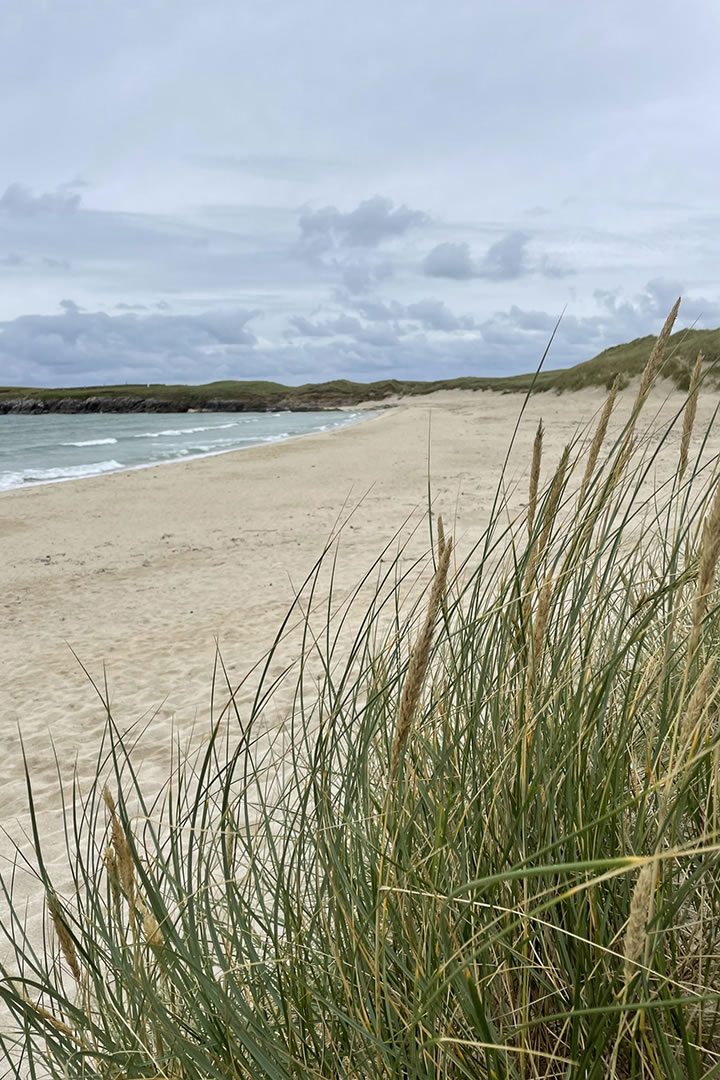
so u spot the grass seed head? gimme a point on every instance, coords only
(636, 932)
(709, 553)
(599, 438)
(553, 501)
(417, 666)
(534, 477)
(696, 704)
(689, 418)
(64, 936)
(151, 928)
(124, 866)
(655, 360)
(541, 621)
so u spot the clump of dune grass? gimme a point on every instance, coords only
(489, 850)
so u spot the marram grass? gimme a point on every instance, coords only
(490, 848)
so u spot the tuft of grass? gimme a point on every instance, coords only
(535, 894)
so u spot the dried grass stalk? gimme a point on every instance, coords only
(709, 553)
(538, 643)
(599, 438)
(553, 502)
(47, 1015)
(417, 667)
(696, 704)
(123, 855)
(655, 360)
(67, 945)
(636, 932)
(689, 418)
(534, 477)
(541, 620)
(151, 928)
(112, 873)
(537, 549)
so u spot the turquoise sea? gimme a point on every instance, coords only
(50, 448)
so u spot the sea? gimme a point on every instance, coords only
(50, 448)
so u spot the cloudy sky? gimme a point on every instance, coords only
(313, 190)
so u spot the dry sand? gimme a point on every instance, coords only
(141, 572)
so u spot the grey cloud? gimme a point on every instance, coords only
(19, 201)
(368, 225)
(505, 260)
(359, 277)
(307, 328)
(518, 332)
(347, 324)
(340, 324)
(430, 313)
(550, 269)
(449, 260)
(655, 301)
(385, 321)
(11, 259)
(356, 278)
(531, 320)
(77, 346)
(378, 336)
(435, 315)
(378, 311)
(56, 264)
(130, 307)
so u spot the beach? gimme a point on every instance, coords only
(137, 576)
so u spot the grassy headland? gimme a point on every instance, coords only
(625, 361)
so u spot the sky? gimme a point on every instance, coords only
(302, 191)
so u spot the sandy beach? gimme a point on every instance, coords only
(141, 573)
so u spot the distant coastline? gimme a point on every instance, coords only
(232, 397)
(622, 362)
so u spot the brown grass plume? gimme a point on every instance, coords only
(417, 667)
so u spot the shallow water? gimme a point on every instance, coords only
(48, 448)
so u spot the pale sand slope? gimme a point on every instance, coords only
(142, 571)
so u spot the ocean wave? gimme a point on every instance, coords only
(10, 480)
(182, 431)
(91, 442)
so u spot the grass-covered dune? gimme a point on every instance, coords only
(490, 849)
(625, 361)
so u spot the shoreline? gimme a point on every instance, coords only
(197, 457)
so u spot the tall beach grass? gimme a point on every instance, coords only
(488, 849)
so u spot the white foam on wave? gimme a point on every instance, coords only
(27, 477)
(182, 431)
(91, 442)
(165, 455)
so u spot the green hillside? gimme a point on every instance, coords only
(626, 361)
